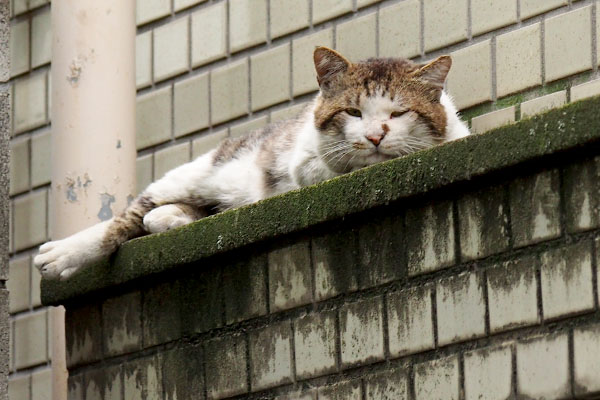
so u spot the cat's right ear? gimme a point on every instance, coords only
(329, 64)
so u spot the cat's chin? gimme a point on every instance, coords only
(377, 157)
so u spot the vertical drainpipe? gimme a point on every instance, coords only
(93, 127)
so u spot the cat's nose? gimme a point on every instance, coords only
(375, 139)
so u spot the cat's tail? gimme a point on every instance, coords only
(62, 258)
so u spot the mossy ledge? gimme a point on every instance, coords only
(574, 126)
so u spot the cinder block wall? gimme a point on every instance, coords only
(470, 279)
(217, 68)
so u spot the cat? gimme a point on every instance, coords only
(364, 113)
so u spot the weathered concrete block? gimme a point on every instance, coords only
(171, 49)
(460, 308)
(290, 276)
(200, 299)
(122, 324)
(245, 289)
(228, 86)
(335, 262)
(270, 356)
(357, 38)
(341, 391)
(586, 348)
(534, 208)
(303, 69)
(429, 238)
(270, 77)
(483, 223)
(142, 379)
(361, 330)
(437, 379)
(470, 79)
(314, 340)
(381, 252)
(390, 385)
(19, 275)
(519, 59)
(103, 384)
(488, 374)
(161, 318)
(568, 37)
(445, 23)
(410, 321)
(153, 118)
(226, 373)
(209, 22)
(512, 294)
(83, 334)
(41, 384)
(543, 368)
(566, 276)
(183, 376)
(74, 387)
(191, 104)
(323, 10)
(399, 31)
(582, 204)
(310, 394)
(247, 23)
(288, 16)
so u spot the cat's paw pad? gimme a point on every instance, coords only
(59, 259)
(164, 218)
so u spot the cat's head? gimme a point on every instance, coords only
(377, 109)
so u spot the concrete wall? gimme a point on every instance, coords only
(4, 199)
(465, 272)
(217, 68)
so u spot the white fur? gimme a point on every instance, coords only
(311, 158)
(164, 218)
(61, 258)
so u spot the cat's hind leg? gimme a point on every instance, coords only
(171, 216)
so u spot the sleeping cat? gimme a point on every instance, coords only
(364, 113)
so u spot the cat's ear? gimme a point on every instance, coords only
(329, 64)
(435, 72)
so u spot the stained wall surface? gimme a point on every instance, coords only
(465, 272)
(212, 69)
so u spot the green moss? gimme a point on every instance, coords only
(572, 126)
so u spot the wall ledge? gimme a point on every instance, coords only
(573, 127)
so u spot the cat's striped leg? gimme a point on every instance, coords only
(62, 258)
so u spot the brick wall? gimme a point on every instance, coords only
(29, 183)
(468, 281)
(217, 68)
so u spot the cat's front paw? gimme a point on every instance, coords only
(164, 218)
(62, 258)
(58, 259)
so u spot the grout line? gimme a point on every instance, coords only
(513, 360)
(494, 69)
(543, 52)
(571, 361)
(469, 21)
(595, 36)
(422, 28)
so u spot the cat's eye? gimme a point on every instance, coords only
(397, 114)
(354, 112)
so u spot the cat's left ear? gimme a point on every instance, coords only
(435, 72)
(329, 64)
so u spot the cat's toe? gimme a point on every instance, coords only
(48, 246)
